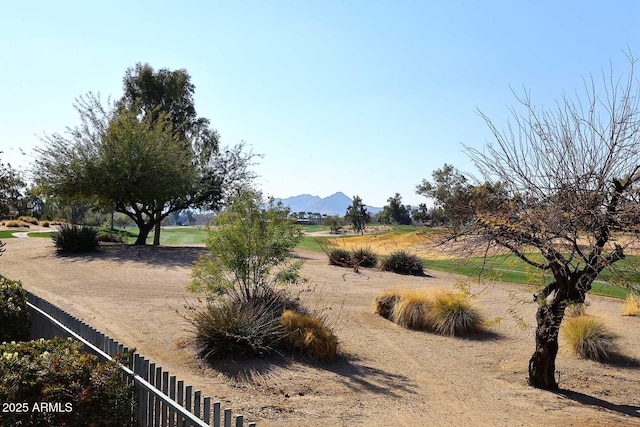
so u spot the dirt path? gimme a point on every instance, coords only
(387, 375)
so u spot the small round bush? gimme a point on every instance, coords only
(452, 314)
(308, 335)
(229, 330)
(402, 262)
(109, 237)
(589, 337)
(340, 257)
(14, 314)
(75, 239)
(364, 257)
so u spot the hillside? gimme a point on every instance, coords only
(335, 204)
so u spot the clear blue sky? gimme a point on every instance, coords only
(364, 97)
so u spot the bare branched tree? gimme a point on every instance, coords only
(571, 175)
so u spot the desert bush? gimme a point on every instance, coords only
(339, 257)
(402, 262)
(589, 337)
(308, 335)
(14, 314)
(632, 305)
(452, 314)
(105, 236)
(45, 224)
(410, 310)
(364, 257)
(58, 371)
(386, 301)
(75, 239)
(16, 224)
(228, 329)
(28, 219)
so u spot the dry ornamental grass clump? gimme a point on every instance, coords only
(443, 312)
(590, 338)
(386, 301)
(308, 335)
(632, 305)
(451, 314)
(411, 309)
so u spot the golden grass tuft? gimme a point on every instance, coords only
(409, 311)
(28, 219)
(632, 305)
(16, 224)
(309, 335)
(386, 301)
(443, 312)
(589, 337)
(452, 314)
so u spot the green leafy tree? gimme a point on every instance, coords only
(249, 245)
(357, 215)
(146, 156)
(395, 212)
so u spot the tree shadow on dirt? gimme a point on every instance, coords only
(351, 372)
(166, 256)
(585, 399)
(361, 377)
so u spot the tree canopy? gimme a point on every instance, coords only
(145, 156)
(357, 215)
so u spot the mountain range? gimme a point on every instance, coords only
(335, 204)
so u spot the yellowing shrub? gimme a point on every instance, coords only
(410, 310)
(452, 314)
(308, 335)
(589, 337)
(386, 301)
(632, 305)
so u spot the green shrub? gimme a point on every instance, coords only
(402, 262)
(105, 236)
(58, 371)
(364, 257)
(589, 337)
(340, 257)
(14, 315)
(227, 329)
(75, 239)
(308, 335)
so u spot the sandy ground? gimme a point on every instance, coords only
(386, 375)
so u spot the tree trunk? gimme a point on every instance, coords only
(156, 234)
(143, 232)
(542, 365)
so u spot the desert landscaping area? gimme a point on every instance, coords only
(385, 375)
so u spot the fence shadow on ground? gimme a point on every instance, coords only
(585, 399)
(166, 256)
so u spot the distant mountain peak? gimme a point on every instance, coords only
(335, 204)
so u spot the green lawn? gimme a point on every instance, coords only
(180, 236)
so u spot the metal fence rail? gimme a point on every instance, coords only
(163, 401)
